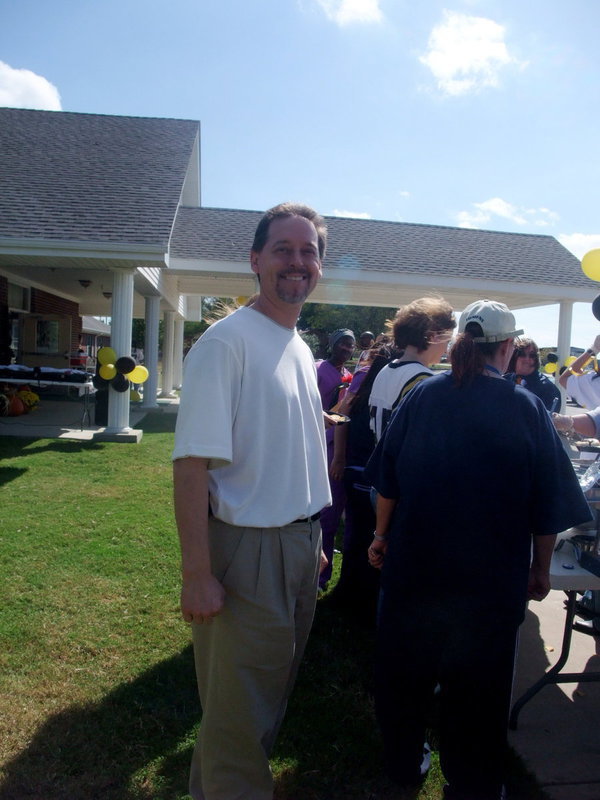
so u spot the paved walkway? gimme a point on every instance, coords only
(62, 417)
(558, 730)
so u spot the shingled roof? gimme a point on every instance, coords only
(406, 248)
(90, 177)
(98, 193)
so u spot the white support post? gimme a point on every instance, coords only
(120, 340)
(178, 354)
(167, 354)
(565, 321)
(150, 387)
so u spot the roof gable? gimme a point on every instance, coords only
(90, 177)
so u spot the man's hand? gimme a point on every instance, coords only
(324, 562)
(336, 468)
(376, 553)
(538, 585)
(202, 598)
(563, 422)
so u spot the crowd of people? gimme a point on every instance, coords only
(272, 451)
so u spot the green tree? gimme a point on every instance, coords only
(320, 319)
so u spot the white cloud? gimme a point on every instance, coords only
(483, 214)
(353, 214)
(346, 12)
(467, 53)
(580, 243)
(21, 88)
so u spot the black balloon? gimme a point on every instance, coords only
(120, 383)
(552, 358)
(99, 383)
(125, 364)
(596, 307)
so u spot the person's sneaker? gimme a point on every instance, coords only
(426, 762)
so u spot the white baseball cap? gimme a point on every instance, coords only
(497, 321)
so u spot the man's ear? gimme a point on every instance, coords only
(254, 261)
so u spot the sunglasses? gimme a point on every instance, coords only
(440, 337)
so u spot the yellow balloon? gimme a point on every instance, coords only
(550, 367)
(570, 360)
(590, 264)
(241, 300)
(138, 375)
(107, 371)
(106, 355)
(135, 396)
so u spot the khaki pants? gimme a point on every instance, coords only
(248, 657)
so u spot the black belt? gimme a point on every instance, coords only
(307, 519)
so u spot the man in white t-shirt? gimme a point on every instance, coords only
(250, 476)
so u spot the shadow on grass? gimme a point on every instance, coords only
(8, 474)
(92, 752)
(136, 743)
(16, 446)
(158, 422)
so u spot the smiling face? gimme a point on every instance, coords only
(526, 361)
(342, 351)
(288, 266)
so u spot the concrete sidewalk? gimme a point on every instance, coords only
(558, 730)
(62, 417)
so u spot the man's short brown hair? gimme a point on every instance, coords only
(290, 210)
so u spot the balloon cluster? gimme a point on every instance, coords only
(551, 364)
(590, 264)
(118, 372)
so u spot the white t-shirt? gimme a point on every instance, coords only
(584, 389)
(392, 382)
(250, 404)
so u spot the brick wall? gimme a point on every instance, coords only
(45, 303)
(5, 351)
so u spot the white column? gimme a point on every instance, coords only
(120, 341)
(178, 354)
(565, 321)
(150, 388)
(167, 354)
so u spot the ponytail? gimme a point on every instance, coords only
(468, 358)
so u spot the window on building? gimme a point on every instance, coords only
(19, 297)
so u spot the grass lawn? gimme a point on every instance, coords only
(97, 687)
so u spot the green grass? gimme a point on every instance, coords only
(97, 687)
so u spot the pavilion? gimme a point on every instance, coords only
(102, 216)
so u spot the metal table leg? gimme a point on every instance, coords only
(86, 409)
(554, 674)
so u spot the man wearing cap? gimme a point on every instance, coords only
(247, 508)
(473, 484)
(333, 379)
(365, 341)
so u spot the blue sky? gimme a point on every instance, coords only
(480, 113)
